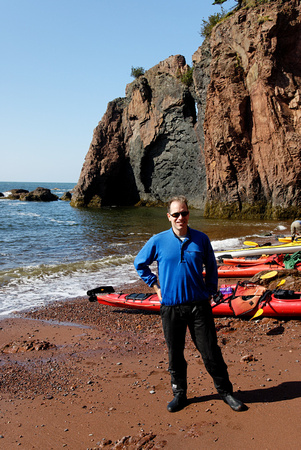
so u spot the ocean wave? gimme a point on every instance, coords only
(6, 193)
(64, 222)
(21, 275)
(29, 287)
(29, 214)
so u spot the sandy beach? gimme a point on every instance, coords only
(81, 375)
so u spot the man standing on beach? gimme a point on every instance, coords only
(181, 252)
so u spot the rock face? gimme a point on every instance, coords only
(145, 148)
(253, 113)
(239, 155)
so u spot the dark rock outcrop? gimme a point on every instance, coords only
(39, 195)
(66, 196)
(16, 193)
(239, 155)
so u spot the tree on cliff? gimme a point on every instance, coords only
(137, 72)
(214, 19)
(207, 25)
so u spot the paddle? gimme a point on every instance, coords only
(251, 244)
(269, 275)
(260, 310)
(255, 244)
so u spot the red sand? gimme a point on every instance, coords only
(83, 376)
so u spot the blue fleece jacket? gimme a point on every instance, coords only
(180, 266)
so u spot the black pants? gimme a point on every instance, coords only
(198, 317)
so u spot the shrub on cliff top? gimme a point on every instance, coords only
(214, 19)
(137, 72)
(207, 26)
(187, 78)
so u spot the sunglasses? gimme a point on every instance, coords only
(178, 214)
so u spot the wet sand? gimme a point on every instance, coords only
(80, 375)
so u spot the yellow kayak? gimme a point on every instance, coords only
(256, 249)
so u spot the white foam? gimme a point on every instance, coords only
(35, 291)
(226, 244)
(29, 214)
(281, 227)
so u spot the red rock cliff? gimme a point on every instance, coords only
(239, 155)
(252, 122)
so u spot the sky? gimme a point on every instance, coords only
(62, 61)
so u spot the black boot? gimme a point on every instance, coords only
(234, 403)
(179, 402)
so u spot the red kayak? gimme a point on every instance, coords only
(252, 260)
(248, 298)
(245, 298)
(247, 268)
(229, 271)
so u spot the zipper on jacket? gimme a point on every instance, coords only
(182, 250)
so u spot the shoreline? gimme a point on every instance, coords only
(83, 375)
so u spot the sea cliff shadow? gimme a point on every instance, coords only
(284, 391)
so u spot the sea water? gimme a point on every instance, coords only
(50, 251)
